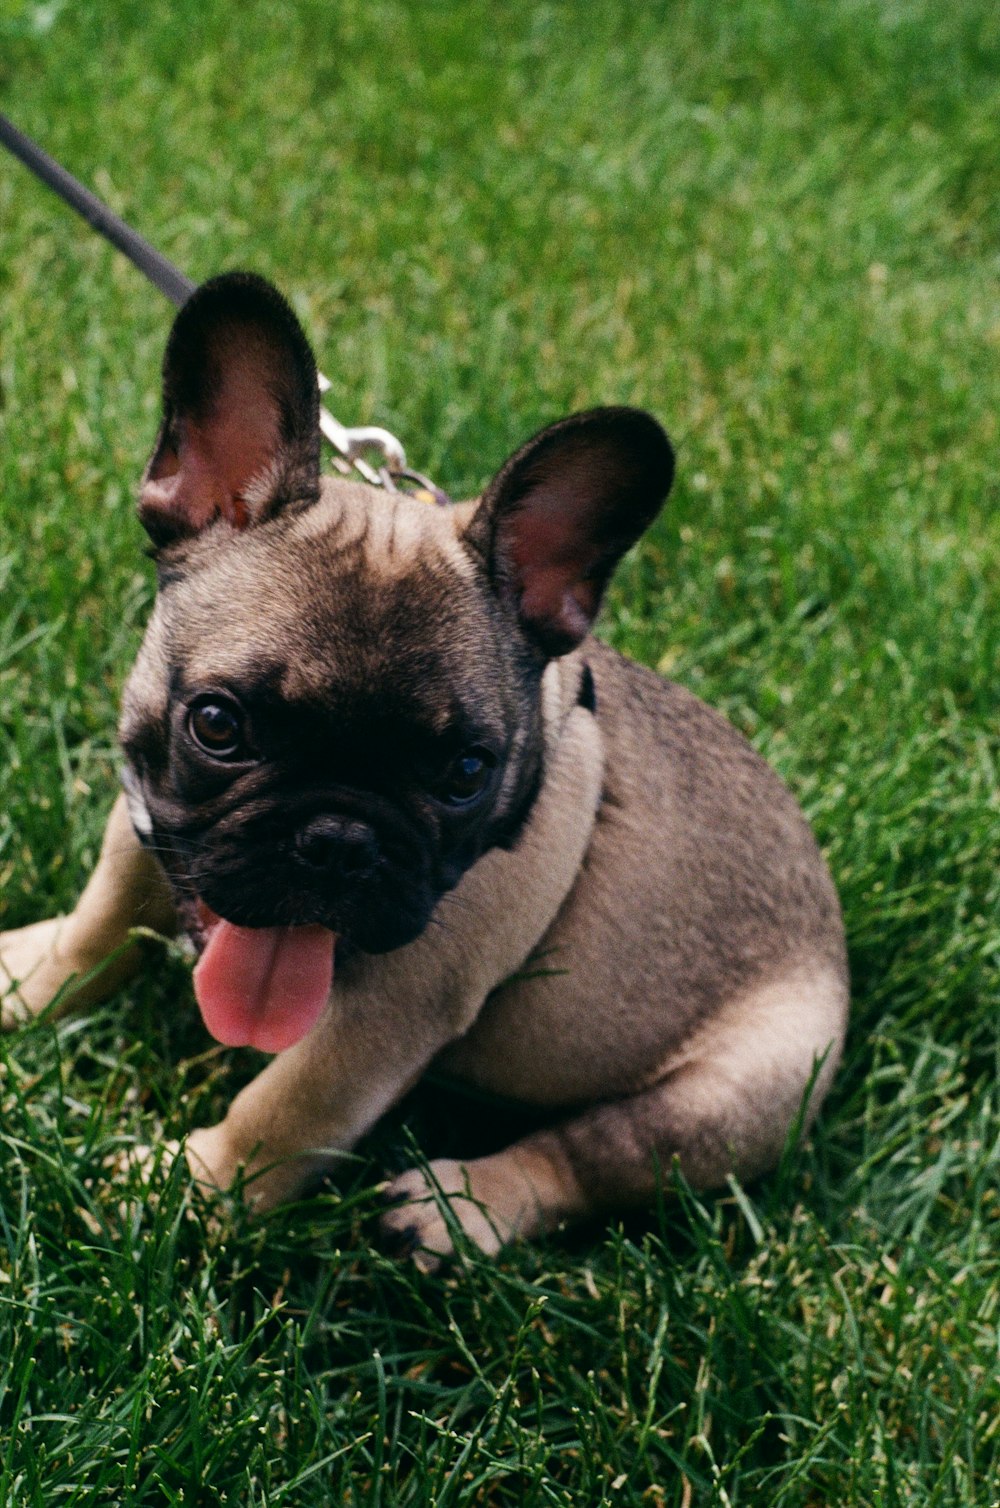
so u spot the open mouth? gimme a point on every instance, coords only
(263, 987)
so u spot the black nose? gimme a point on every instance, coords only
(337, 845)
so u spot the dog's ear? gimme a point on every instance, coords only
(555, 521)
(240, 432)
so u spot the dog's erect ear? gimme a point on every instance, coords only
(553, 524)
(240, 433)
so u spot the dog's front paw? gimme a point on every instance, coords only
(151, 1161)
(148, 1160)
(489, 1200)
(50, 961)
(34, 967)
(209, 1161)
(263, 1177)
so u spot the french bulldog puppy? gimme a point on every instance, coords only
(410, 812)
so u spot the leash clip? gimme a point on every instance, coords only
(354, 445)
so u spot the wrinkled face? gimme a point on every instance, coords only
(330, 719)
(336, 707)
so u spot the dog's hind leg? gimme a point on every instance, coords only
(84, 957)
(725, 1103)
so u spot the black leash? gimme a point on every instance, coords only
(351, 445)
(161, 273)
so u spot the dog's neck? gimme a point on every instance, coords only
(562, 687)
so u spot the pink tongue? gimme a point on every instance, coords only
(264, 987)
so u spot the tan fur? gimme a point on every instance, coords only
(385, 543)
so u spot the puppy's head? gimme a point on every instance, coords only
(337, 706)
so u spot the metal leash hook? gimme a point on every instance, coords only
(350, 445)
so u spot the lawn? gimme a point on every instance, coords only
(777, 226)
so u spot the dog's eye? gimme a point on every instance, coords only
(216, 727)
(468, 777)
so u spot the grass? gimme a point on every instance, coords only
(778, 227)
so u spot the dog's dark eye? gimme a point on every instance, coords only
(216, 726)
(468, 777)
